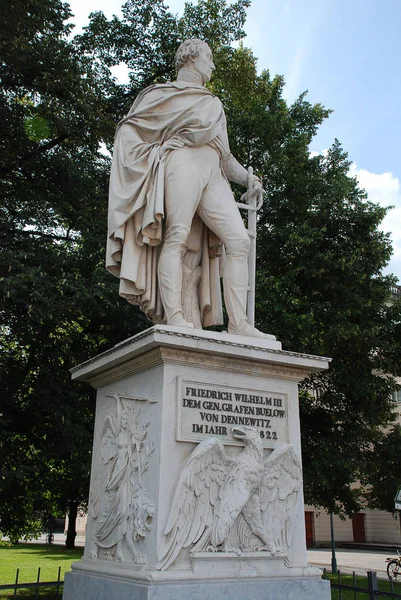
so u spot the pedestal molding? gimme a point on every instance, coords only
(203, 360)
(247, 354)
(140, 363)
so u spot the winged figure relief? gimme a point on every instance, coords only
(245, 498)
(119, 503)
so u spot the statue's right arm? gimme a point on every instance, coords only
(233, 170)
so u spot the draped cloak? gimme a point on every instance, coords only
(136, 193)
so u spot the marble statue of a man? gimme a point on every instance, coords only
(169, 194)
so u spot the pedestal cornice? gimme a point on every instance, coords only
(210, 350)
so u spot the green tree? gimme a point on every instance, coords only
(320, 253)
(59, 306)
(320, 287)
(383, 478)
(149, 54)
(58, 102)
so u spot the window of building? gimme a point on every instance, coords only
(397, 395)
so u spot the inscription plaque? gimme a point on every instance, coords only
(206, 409)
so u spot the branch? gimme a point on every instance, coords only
(49, 236)
(33, 154)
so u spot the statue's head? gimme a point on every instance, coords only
(124, 419)
(143, 512)
(196, 55)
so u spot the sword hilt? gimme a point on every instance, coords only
(250, 179)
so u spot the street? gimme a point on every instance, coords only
(349, 560)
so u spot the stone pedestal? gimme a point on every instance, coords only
(160, 394)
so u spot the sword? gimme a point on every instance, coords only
(252, 204)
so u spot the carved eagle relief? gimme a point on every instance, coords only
(221, 497)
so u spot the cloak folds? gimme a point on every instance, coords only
(136, 193)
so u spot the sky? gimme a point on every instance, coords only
(347, 54)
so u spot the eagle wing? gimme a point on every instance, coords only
(195, 501)
(280, 483)
(108, 448)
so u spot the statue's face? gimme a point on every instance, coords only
(203, 63)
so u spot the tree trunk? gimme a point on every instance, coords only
(72, 518)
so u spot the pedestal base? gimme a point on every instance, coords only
(169, 396)
(83, 586)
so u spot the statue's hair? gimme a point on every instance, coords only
(188, 48)
(125, 413)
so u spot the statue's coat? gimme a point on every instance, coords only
(136, 195)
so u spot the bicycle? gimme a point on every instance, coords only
(394, 567)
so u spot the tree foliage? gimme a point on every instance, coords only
(383, 478)
(58, 103)
(59, 307)
(320, 287)
(320, 252)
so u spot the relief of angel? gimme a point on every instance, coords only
(118, 499)
(245, 498)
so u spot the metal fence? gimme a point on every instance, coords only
(372, 591)
(37, 586)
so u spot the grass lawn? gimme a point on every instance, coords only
(27, 558)
(361, 582)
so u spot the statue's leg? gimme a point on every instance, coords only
(220, 213)
(183, 189)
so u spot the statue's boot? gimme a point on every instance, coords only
(235, 281)
(248, 330)
(170, 283)
(179, 321)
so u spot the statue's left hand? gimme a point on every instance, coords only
(254, 192)
(256, 187)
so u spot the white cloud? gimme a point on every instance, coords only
(385, 189)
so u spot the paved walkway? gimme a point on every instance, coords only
(348, 561)
(59, 540)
